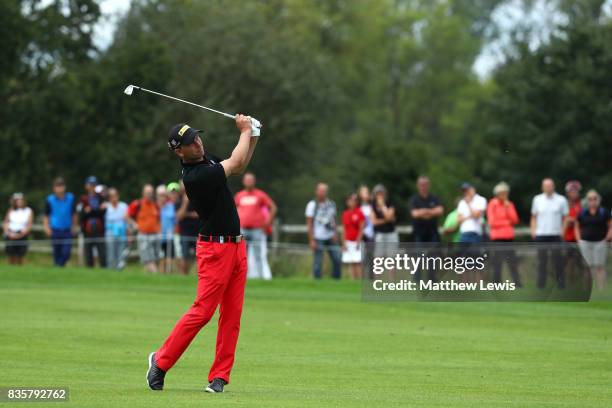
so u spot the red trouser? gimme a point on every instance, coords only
(222, 270)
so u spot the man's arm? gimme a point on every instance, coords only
(5, 223)
(311, 240)
(46, 226)
(273, 211)
(417, 213)
(241, 155)
(75, 218)
(437, 211)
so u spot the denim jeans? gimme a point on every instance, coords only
(470, 237)
(61, 239)
(257, 254)
(115, 246)
(425, 236)
(334, 253)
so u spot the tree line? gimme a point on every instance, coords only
(349, 93)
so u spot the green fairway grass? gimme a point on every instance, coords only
(302, 344)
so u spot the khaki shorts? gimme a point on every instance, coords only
(149, 247)
(594, 252)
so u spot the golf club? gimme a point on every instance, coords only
(129, 90)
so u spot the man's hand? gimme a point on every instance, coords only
(243, 123)
(313, 244)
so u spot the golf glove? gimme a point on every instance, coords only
(255, 127)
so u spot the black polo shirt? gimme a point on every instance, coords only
(206, 187)
(427, 230)
(594, 227)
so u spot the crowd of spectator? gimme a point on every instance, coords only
(164, 225)
(554, 218)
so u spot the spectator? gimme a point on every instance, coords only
(188, 229)
(425, 208)
(470, 215)
(353, 221)
(321, 221)
(144, 215)
(572, 193)
(103, 191)
(450, 228)
(269, 229)
(115, 223)
(17, 226)
(175, 193)
(548, 212)
(60, 220)
(166, 201)
(91, 213)
(253, 204)
(502, 218)
(572, 259)
(365, 200)
(383, 219)
(593, 228)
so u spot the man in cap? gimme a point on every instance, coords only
(91, 214)
(220, 253)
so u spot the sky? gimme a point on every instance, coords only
(507, 16)
(111, 10)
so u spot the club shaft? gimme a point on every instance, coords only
(227, 115)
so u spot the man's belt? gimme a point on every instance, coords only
(236, 239)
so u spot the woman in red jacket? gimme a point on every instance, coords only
(502, 217)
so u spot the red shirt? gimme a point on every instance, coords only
(502, 219)
(570, 234)
(352, 219)
(250, 206)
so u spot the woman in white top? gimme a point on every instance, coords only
(17, 226)
(470, 215)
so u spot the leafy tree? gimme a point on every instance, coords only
(550, 114)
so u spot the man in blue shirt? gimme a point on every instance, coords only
(60, 219)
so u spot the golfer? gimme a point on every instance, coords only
(220, 253)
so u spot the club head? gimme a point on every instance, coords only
(129, 90)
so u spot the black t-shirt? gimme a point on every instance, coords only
(594, 227)
(387, 226)
(188, 226)
(206, 187)
(419, 226)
